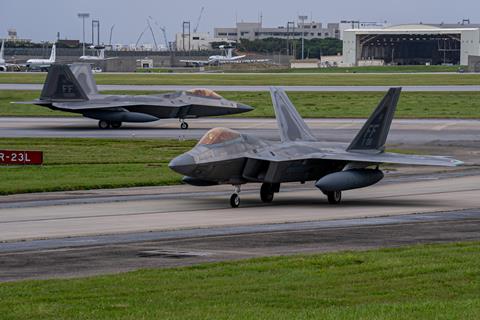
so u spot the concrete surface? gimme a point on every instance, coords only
(455, 88)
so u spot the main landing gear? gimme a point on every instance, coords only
(183, 124)
(334, 197)
(104, 124)
(268, 190)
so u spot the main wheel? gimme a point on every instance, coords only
(184, 126)
(235, 200)
(116, 124)
(334, 197)
(103, 124)
(266, 193)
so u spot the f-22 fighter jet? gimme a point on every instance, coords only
(73, 89)
(224, 156)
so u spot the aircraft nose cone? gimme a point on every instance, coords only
(244, 108)
(183, 164)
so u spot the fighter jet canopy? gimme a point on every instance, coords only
(218, 135)
(204, 93)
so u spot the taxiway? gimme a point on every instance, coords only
(451, 88)
(403, 131)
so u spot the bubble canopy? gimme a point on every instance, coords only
(218, 135)
(200, 92)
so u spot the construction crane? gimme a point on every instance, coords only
(198, 20)
(153, 34)
(140, 37)
(167, 46)
(111, 31)
(164, 31)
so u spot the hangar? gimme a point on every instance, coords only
(411, 45)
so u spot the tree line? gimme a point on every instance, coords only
(314, 48)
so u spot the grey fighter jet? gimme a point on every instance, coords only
(224, 156)
(73, 89)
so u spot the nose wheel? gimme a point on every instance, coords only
(183, 124)
(235, 198)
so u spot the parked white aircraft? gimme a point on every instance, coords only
(215, 60)
(100, 56)
(3, 65)
(42, 64)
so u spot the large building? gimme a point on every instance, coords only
(412, 44)
(255, 30)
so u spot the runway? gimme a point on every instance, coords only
(206, 208)
(451, 88)
(403, 131)
(115, 231)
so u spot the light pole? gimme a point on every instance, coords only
(83, 16)
(303, 18)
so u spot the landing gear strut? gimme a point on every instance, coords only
(183, 124)
(235, 198)
(334, 197)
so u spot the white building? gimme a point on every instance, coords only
(355, 24)
(411, 44)
(255, 30)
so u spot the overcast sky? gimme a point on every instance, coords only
(42, 19)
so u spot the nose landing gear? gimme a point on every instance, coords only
(183, 124)
(235, 198)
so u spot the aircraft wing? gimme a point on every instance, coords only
(360, 157)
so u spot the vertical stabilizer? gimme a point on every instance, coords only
(290, 123)
(53, 54)
(61, 85)
(229, 53)
(84, 75)
(2, 49)
(373, 135)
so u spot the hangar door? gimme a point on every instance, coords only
(411, 49)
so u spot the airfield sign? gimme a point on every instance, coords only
(10, 157)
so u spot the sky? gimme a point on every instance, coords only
(40, 20)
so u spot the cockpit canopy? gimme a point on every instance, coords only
(218, 135)
(199, 92)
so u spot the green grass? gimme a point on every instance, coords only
(76, 164)
(310, 104)
(314, 79)
(418, 282)
(369, 69)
